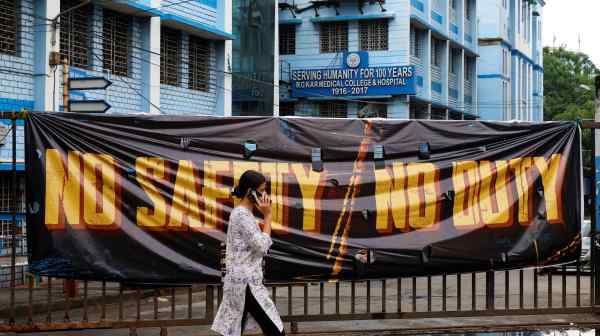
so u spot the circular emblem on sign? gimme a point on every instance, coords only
(353, 60)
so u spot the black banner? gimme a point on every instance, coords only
(146, 198)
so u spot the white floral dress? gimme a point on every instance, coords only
(246, 247)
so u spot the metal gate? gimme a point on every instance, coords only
(56, 304)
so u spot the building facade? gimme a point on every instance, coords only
(435, 39)
(511, 76)
(162, 57)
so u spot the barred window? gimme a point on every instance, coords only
(170, 56)
(334, 37)
(116, 42)
(8, 26)
(287, 39)
(6, 198)
(372, 110)
(454, 61)
(287, 109)
(373, 35)
(333, 109)
(199, 63)
(469, 69)
(436, 52)
(75, 33)
(416, 49)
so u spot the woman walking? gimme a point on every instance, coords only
(243, 290)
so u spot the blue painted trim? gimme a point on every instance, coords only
(8, 122)
(386, 15)
(418, 5)
(469, 38)
(437, 17)
(141, 7)
(536, 66)
(436, 86)
(441, 34)
(290, 21)
(514, 51)
(7, 216)
(420, 81)
(346, 98)
(454, 28)
(191, 25)
(468, 99)
(9, 104)
(4, 166)
(499, 76)
(209, 3)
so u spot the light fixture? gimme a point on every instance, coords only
(379, 156)
(317, 163)
(424, 151)
(249, 149)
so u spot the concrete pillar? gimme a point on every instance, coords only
(151, 69)
(276, 63)
(46, 93)
(224, 62)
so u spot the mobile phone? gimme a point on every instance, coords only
(255, 196)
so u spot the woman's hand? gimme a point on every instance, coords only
(264, 205)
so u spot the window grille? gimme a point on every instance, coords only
(199, 63)
(334, 37)
(75, 33)
(454, 61)
(8, 26)
(374, 35)
(6, 194)
(333, 109)
(287, 39)
(469, 69)
(116, 42)
(170, 56)
(416, 43)
(372, 110)
(436, 50)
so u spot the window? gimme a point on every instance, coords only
(199, 63)
(75, 33)
(373, 35)
(115, 43)
(334, 37)
(372, 110)
(504, 4)
(454, 59)
(416, 49)
(469, 69)
(287, 39)
(286, 109)
(8, 26)
(333, 110)
(468, 10)
(436, 52)
(170, 56)
(453, 4)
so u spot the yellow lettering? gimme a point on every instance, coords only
(308, 181)
(494, 198)
(99, 195)
(213, 190)
(422, 195)
(186, 206)
(149, 169)
(552, 186)
(63, 189)
(390, 195)
(464, 178)
(524, 182)
(277, 173)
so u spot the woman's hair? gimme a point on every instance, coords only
(250, 180)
